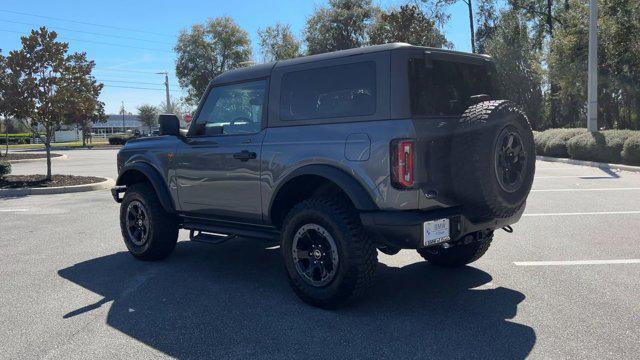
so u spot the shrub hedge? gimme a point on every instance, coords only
(553, 142)
(612, 146)
(631, 149)
(117, 140)
(604, 146)
(14, 140)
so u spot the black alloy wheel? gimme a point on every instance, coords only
(315, 255)
(510, 159)
(137, 222)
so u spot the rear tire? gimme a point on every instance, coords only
(325, 238)
(149, 232)
(456, 256)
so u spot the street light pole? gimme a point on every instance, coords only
(166, 88)
(592, 81)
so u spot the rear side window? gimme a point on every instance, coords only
(329, 92)
(444, 88)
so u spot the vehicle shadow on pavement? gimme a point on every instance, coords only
(233, 301)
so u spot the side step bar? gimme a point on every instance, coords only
(208, 238)
(211, 231)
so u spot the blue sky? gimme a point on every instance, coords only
(138, 36)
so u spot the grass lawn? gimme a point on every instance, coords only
(74, 144)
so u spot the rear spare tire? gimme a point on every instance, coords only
(493, 160)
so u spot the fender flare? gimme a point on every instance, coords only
(356, 192)
(154, 177)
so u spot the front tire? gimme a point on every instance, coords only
(456, 256)
(328, 257)
(149, 232)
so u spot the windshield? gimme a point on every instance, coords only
(444, 88)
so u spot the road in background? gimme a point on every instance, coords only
(69, 289)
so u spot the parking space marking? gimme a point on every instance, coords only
(13, 210)
(576, 176)
(596, 189)
(584, 213)
(576, 262)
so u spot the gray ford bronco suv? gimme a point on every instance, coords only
(336, 156)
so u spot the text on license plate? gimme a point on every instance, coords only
(435, 232)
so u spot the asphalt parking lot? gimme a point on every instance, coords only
(565, 284)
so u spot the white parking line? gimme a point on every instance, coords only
(596, 189)
(576, 176)
(576, 262)
(13, 210)
(584, 213)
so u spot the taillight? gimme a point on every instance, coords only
(402, 152)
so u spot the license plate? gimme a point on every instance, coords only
(435, 232)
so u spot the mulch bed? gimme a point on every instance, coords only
(38, 181)
(20, 156)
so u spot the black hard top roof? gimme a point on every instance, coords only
(264, 70)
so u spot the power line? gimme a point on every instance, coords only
(127, 82)
(127, 70)
(89, 32)
(100, 42)
(139, 88)
(83, 22)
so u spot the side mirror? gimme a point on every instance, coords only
(169, 124)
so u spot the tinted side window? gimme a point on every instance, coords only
(329, 92)
(443, 88)
(232, 109)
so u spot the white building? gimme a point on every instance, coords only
(116, 123)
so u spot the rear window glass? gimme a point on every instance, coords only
(329, 92)
(443, 88)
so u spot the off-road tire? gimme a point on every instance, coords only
(458, 255)
(473, 160)
(163, 227)
(356, 251)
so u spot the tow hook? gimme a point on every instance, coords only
(508, 229)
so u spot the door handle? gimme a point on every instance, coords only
(245, 155)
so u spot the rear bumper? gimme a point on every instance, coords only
(403, 229)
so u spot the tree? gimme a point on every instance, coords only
(438, 4)
(543, 16)
(83, 106)
(518, 67)
(207, 50)
(38, 84)
(342, 25)
(619, 73)
(4, 110)
(487, 19)
(177, 107)
(148, 115)
(408, 24)
(10, 100)
(278, 43)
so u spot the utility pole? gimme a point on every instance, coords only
(166, 88)
(473, 40)
(122, 111)
(592, 89)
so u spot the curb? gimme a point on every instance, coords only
(106, 184)
(590, 163)
(61, 157)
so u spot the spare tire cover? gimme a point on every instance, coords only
(492, 160)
